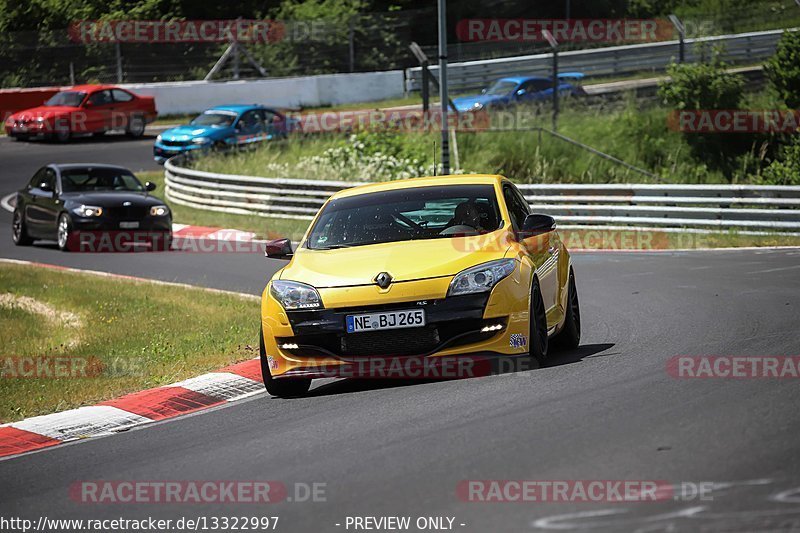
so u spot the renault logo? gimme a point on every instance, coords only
(384, 279)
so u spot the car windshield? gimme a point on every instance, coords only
(213, 118)
(99, 179)
(501, 87)
(405, 215)
(66, 98)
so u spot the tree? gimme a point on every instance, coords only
(708, 86)
(783, 69)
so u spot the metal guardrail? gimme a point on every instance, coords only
(745, 208)
(609, 61)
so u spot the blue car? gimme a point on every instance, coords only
(223, 128)
(520, 89)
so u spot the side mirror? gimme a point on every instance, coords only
(537, 225)
(278, 249)
(149, 186)
(521, 92)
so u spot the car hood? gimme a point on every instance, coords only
(189, 132)
(405, 261)
(43, 112)
(111, 198)
(467, 103)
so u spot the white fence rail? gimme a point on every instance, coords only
(741, 48)
(697, 207)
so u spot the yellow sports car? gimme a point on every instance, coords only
(423, 268)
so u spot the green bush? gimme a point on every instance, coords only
(708, 86)
(783, 69)
(786, 169)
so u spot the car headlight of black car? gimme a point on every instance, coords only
(481, 278)
(88, 211)
(293, 295)
(159, 211)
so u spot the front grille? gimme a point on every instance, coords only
(127, 213)
(175, 143)
(391, 342)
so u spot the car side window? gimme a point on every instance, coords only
(50, 178)
(516, 208)
(540, 85)
(250, 122)
(37, 178)
(100, 98)
(121, 96)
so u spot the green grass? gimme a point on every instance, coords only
(150, 335)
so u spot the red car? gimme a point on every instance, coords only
(84, 109)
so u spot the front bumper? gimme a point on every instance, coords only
(454, 327)
(162, 152)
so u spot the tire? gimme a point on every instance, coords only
(63, 231)
(61, 134)
(569, 337)
(163, 245)
(19, 233)
(284, 387)
(135, 126)
(537, 324)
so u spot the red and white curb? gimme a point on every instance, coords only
(226, 385)
(184, 231)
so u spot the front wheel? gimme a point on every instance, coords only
(538, 324)
(19, 233)
(282, 388)
(61, 133)
(64, 231)
(570, 335)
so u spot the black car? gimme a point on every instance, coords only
(93, 207)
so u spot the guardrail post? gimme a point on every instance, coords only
(681, 37)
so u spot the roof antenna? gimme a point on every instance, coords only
(434, 158)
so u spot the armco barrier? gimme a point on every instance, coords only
(743, 48)
(696, 207)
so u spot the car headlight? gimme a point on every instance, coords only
(477, 106)
(88, 211)
(159, 211)
(481, 278)
(294, 295)
(201, 140)
(158, 138)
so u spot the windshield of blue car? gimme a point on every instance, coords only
(406, 215)
(66, 98)
(214, 119)
(501, 88)
(99, 179)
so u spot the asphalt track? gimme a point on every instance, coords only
(607, 411)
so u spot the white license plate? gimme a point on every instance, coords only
(128, 225)
(409, 318)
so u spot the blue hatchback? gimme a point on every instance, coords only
(520, 89)
(223, 128)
